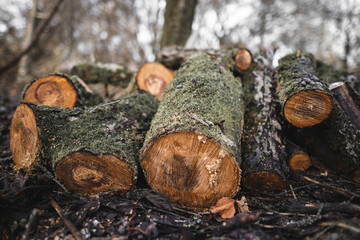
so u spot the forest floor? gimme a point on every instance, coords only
(318, 204)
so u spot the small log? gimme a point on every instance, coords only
(153, 78)
(90, 150)
(173, 57)
(106, 73)
(263, 148)
(237, 59)
(348, 101)
(304, 98)
(298, 160)
(61, 91)
(191, 153)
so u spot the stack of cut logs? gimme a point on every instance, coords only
(225, 116)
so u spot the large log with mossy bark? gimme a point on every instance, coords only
(263, 148)
(154, 77)
(191, 153)
(60, 90)
(304, 98)
(106, 73)
(90, 150)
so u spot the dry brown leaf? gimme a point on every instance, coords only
(225, 207)
(242, 205)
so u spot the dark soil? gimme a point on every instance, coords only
(325, 209)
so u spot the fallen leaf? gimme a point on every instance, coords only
(242, 205)
(225, 207)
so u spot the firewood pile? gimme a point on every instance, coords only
(205, 130)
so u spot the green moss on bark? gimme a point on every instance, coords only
(117, 128)
(107, 73)
(297, 73)
(204, 87)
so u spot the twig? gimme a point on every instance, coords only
(342, 225)
(67, 222)
(5, 159)
(32, 218)
(34, 41)
(343, 192)
(346, 207)
(194, 116)
(292, 191)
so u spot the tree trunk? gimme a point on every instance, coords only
(179, 15)
(30, 27)
(192, 153)
(90, 150)
(264, 156)
(61, 91)
(107, 73)
(304, 98)
(153, 78)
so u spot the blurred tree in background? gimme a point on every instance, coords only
(128, 32)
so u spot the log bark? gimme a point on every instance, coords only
(264, 155)
(107, 73)
(191, 153)
(237, 59)
(343, 139)
(153, 78)
(60, 90)
(90, 150)
(348, 101)
(304, 98)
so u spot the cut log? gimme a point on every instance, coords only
(299, 160)
(264, 155)
(237, 60)
(191, 153)
(348, 101)
(304, 98)
(153, 78)
(343, 139)
(107, 73)
(90, 150)
(173, 57)
(61, 91)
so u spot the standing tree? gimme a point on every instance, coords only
(179, 15)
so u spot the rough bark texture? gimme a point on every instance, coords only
(343, 139)
(83, 146)
(107, 73)
(174, 56)
(201, 106)
(264, 156)
(179, 15)
(60, 90)
(348, 101)
(304, 98)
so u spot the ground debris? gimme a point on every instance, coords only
(320, 211)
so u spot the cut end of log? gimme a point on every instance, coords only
(308, 108)
(85, 173)
(53, 90)
(299, 161)
(243, 59)
(264, 180)
(153, 78)
(24, 139)
(190, 169)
